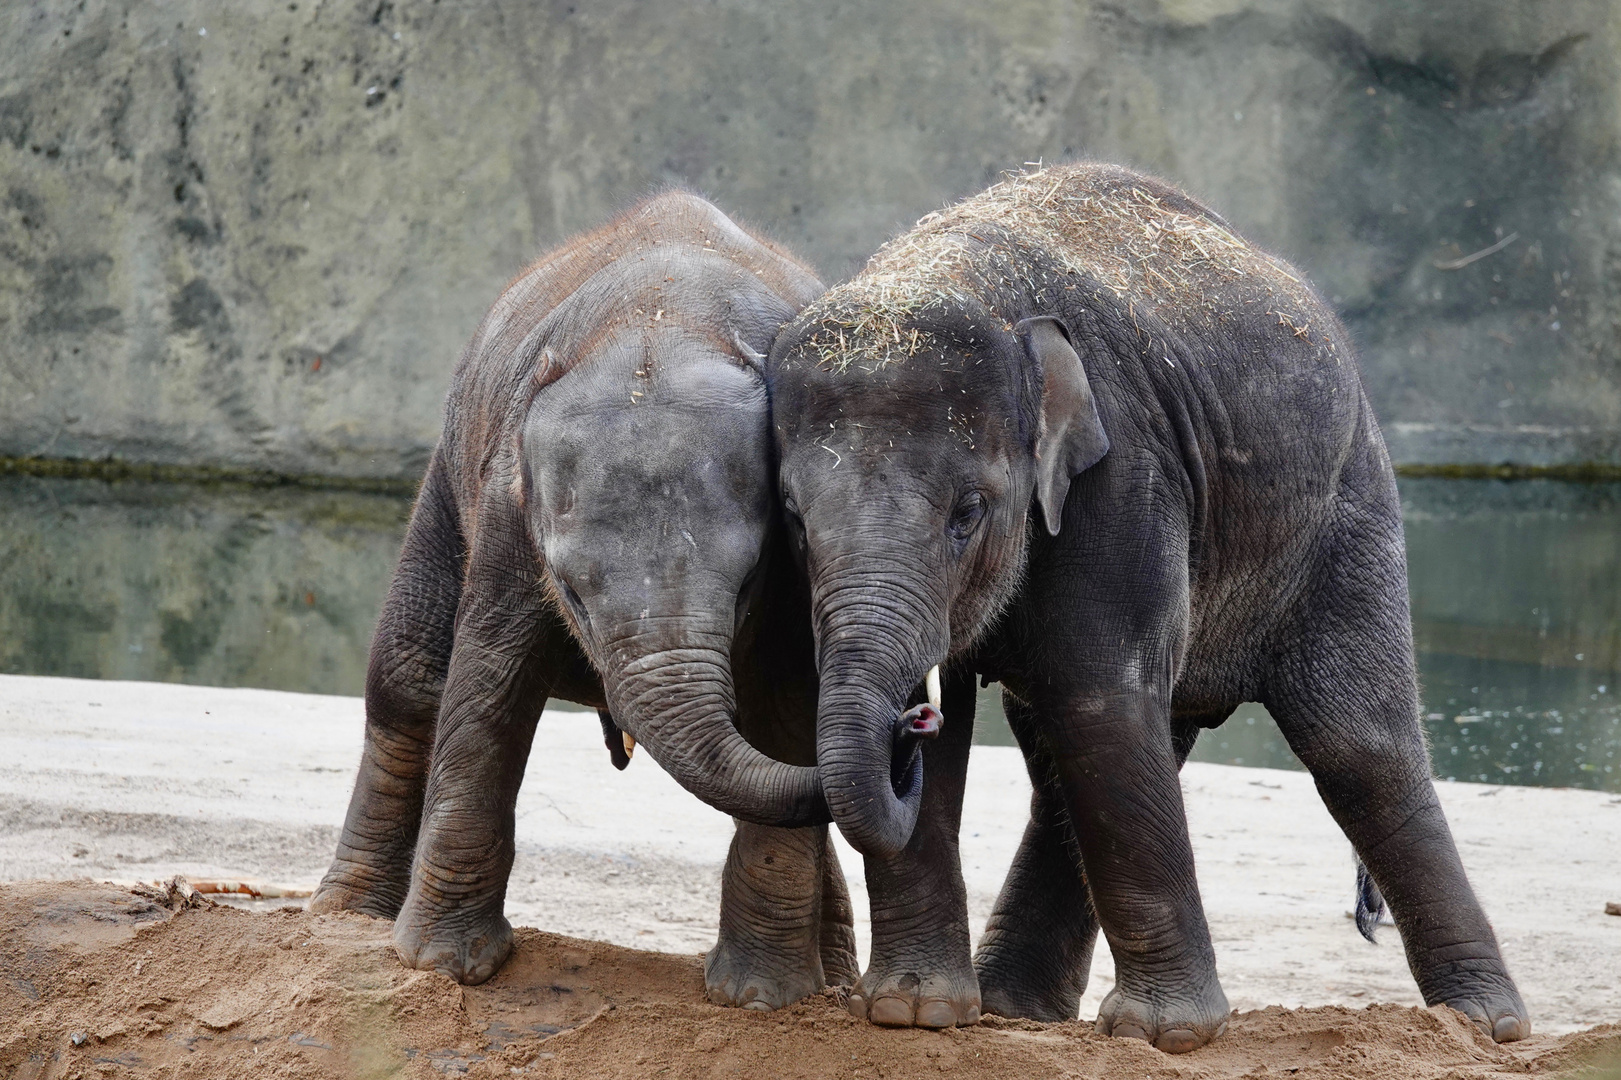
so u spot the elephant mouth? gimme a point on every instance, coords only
(912, 727)
(906, 761)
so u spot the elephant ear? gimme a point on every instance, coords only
(1069, 436)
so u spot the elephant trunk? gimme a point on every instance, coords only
(678, 703)
(881, 635)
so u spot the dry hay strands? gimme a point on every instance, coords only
(1098, 222)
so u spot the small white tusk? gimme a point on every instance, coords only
(932, 683)
(748, 352)
(630, 743)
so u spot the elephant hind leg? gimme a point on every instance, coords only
(840, 965)
(1345, 696)
(371, 870)
(769, 952)
(1036, 954)
(1035, 958)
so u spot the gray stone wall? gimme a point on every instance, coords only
(256, 235)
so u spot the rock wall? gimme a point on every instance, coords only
(256, 235)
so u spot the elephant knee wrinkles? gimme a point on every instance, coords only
(404, 752)
(1375, 844)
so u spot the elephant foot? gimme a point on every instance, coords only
(465, 944)
(351, 886)
(1034, 972)
(902, 994)
(1015, 998)
(1175, 1023)
(1494, 1006)
(746, 977)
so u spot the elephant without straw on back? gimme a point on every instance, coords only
(598, 524)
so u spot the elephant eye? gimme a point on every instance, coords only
(966, 515)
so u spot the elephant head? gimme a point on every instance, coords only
(913, 442)
(647, 481)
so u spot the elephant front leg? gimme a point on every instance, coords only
(1035, 958)
(773, 916)
(452, 919)
(1118, 770)
(921, 971)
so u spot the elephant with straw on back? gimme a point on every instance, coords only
(1077, 435)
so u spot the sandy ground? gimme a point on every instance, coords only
(133, 781)
(100, 982)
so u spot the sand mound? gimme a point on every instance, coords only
(97, 980)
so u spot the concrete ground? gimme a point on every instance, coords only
(128, 781)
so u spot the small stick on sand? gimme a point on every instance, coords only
(249, 888)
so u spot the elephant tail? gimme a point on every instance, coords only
(1370, 903)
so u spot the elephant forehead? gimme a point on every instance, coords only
(669, 386)
(853, 333)
(683, 449)
(884, 415)
(943, 442)
(663, 456)
(948, 383)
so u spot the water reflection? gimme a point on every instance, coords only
(275, 588)
(1516, 592)
(1516, 604)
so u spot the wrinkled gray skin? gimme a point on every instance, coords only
(1218, 523)
(598, 525)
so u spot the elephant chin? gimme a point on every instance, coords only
(679, 706)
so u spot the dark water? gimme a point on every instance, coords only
(273, 588)
(1516, 604)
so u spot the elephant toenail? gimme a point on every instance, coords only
(858, 1006)
(1177, 1041)
(936, 1014)
(971, 1017)
(891, 1012)
(1129, 1031)
(758, 1006)
(1508, 1029)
